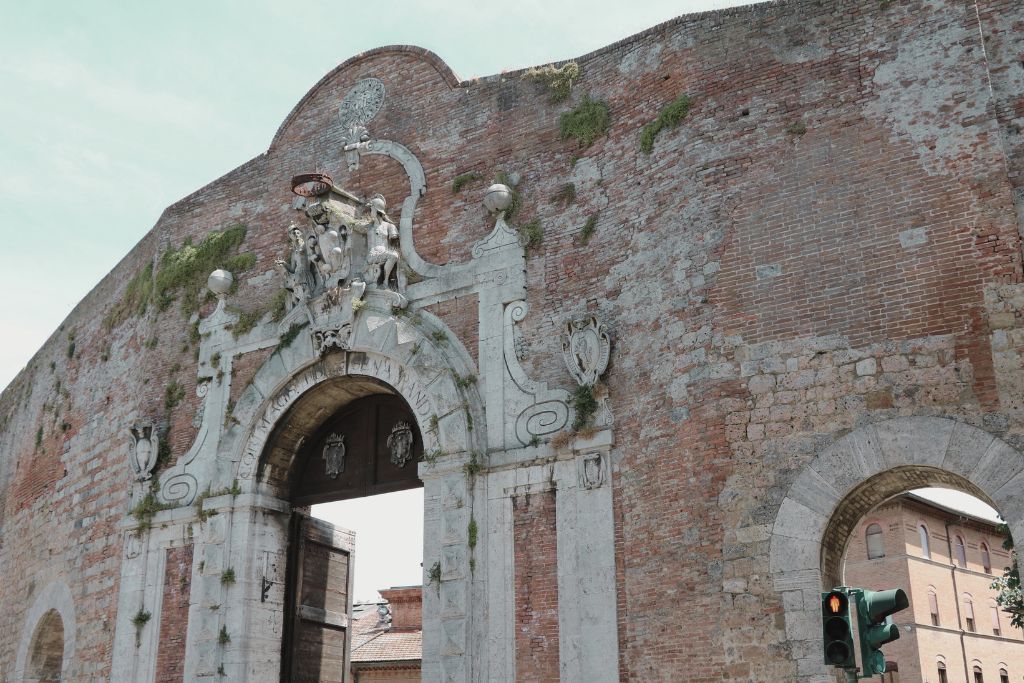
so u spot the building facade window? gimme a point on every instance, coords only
(969, 613)
(996, 628)
(961, 552)
(875, 542)
(1004, 676)
(942, 673)
(922, 532)
(978, 678)
(986, 559)
(933, 606)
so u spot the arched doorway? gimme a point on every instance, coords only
(349, 437)
(842, 484)
(46, 653)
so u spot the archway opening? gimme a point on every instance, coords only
(355, 440)
(936, 536)
(46, 653)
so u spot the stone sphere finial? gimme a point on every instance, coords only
(220, 282)
(497, 198)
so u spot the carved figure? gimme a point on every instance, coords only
(400, 443)
(144, 447)
(296, 271)
(382, 245)
(334, 455)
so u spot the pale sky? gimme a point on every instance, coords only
(110, 111)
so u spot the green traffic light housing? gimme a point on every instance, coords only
(875, 625)
(837, 629)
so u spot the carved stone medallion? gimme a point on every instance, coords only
(334, 455)
(361, 103)
(400, 443)
(586, 348)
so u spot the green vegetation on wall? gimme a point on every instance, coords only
(586, 123)
(671, 115)
(557, 80)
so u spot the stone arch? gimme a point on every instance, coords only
(47, 646)
(421, 363)
(857, 472)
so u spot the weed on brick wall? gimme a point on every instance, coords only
(183, 272)
(557, 80)
(670, 116)
(586, 123)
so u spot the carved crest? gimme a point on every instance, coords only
(400, 443)
(361, 103)
(334, 455)
(143, 448)
(586, 348)
(591, 471)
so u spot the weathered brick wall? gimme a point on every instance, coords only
(819, 244)
(170, 659)
(536, 590)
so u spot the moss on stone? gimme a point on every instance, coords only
(588, 229)
(135, 299)
(464, 179)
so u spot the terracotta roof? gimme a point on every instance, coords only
(371, 643)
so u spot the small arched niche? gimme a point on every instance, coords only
(46, 651)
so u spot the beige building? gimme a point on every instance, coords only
(946, 560)
(387, 637)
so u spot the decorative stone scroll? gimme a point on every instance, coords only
(143, 447)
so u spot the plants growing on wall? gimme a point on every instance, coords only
(464, 179)
(586, 123)
(557, 80)
(183, 272)
(671, 115)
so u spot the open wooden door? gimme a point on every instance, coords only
(319, 603)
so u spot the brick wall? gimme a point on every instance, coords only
(769, 285)
(170, 658)
(536, 586)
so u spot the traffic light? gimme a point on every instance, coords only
(836, 629)
(874, 625)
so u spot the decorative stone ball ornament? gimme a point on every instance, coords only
(497, 198)
(220, 282)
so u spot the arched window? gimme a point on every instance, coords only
(926, 551)
(961, 552)
(933, 605)
(969, 613)
(996, 628)
(1004, 675)
(875, 542)
(942, 673)
(978, 678)
(986, 559)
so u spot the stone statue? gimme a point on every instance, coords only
(383, 253)
(296, 270)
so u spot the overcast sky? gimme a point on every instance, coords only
(110, 111)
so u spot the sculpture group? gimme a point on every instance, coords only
(347, 246)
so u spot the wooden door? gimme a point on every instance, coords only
(319, 603)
